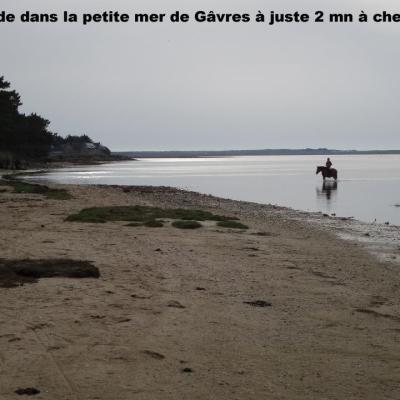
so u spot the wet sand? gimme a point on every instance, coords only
(169, 317)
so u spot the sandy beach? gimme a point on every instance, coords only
(175, 313)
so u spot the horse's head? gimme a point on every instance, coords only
(319, 169)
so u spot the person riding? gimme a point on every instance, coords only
(328, 163)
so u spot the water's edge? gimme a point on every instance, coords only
(380, 240)
(285, 181)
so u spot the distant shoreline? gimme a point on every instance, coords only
(263, 152)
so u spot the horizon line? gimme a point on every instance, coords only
(257, 149)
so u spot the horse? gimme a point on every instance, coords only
(327, 172)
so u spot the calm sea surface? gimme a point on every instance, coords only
(368, 187)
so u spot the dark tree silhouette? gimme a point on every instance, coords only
(22, 138)
(26, 138)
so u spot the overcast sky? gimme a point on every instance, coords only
(210, 86)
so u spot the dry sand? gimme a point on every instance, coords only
(171, 301)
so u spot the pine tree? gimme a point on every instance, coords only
(24, 137)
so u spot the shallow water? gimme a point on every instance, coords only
(368, 187)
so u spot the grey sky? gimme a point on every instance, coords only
(204, 86)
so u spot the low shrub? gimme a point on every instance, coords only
(153, 224)
(232, 224)
(186, 224)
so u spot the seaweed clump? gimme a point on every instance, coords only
(14, 273)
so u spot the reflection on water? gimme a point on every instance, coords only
(369, 185)
(328, 190)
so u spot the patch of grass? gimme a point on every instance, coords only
(185, 224)
(58, 194)
(153, 224)
(198, 215)
(33, 188)
(232, 224)
(142, 214)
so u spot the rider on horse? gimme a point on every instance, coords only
(328, 171)
(328, 163)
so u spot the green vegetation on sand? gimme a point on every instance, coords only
(232, 224)
(153, 224)
(186, 224)
(142, 214)
(150, 217)
(25, 187)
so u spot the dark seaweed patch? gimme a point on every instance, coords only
(15, 273)
(27, 392)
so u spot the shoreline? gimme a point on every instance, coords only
(380, 240)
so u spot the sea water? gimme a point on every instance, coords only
(368, 187)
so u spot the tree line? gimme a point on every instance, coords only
(26, 139)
